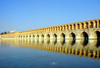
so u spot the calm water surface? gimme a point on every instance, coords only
(46, 54)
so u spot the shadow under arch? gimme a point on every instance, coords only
(47, 38)
(84, 36)
(97, 43)
(33, 37)
(54, 38)
(37, 37)
(73, 36)
(42, 39)
(97, 34)
(62, 38)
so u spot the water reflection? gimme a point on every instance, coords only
(80, 48)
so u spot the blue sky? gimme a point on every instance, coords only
(24, 15)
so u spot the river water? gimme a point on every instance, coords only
(49, 54)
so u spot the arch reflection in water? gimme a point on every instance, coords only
(91, 49)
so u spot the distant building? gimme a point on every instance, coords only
(13, 31)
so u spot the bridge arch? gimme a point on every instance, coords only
(33, 37)
(61, 28)
(62, 38)
(86, 25)
(78, 26)
(67, 27)
(91, 24)
(41, 37)
(97, 35)
(95, 24)
(70, 27)
(48, 37)
(74, 26)
(64, 27)
(37, 37)
(54, 38)
(72, 36)
(55, 28)
(84, 36)
(82, 25)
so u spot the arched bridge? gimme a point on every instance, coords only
(85, 30)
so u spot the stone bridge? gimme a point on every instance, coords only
(85, 30)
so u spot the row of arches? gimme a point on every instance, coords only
(62, 36)
(72, 36)
(81, 25)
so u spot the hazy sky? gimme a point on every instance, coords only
(24, 15)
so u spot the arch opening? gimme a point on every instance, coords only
(42, 38)
(48, 37)
(55, 28)
(97, 44)
(61, 28)
(78, 26)
(72, 36)
(99, 23)
(37, 37)
(91, 26)
(64, 28)
(95, 24)
(70, 27)
(46, 29)
(74, 27)
(55, 38)
(98, 35)
(84, 36)
(86, 25)
(67, 27)
(21, 36)
(29, 37)
(82, 26)
(62, 36)
(33, 37)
